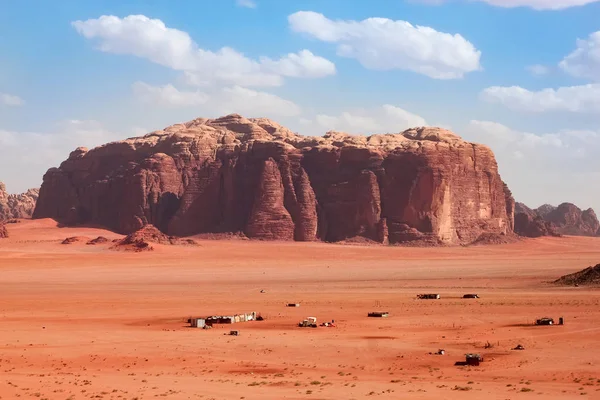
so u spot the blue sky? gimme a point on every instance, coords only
(522, 76)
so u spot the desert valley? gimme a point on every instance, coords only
(128, 242)
(83, 321)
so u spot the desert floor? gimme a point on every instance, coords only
(80, 321)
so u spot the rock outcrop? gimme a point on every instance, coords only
(547, 220)
(3, 231)
(587, 276)
(17, 205)
(256, 177)
(141, 240)
(530, 223)
(571, 220)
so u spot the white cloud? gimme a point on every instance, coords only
(543, 167)
(246, 3)
(500, 135)
(32, 153)
(577, 99)
(383, 119)
(385, 44)
(584, 61)
(168, 95)
(302, 65)
(538, 70)
(535, 4)
(11, 100)
(218, 102)
(151, 39)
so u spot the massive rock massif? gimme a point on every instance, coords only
(254, 176)
(547, 220)
(17, 205)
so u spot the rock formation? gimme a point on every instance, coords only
(256, 177)
(17, 205)
(530, 223)
(3, 231)
(571, 220)
(547, 220)
(98, 240)
(142, 238)
(587, 276)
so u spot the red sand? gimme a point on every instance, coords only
(83, 321)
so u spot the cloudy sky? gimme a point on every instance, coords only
(522, 76)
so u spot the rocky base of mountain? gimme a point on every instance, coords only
(3, 231)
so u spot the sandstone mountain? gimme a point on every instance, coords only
(17, 205)
(256, 177)
(530, 223)
(547, 220)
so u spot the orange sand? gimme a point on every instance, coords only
(80, 321)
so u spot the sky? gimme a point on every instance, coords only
(521, 76)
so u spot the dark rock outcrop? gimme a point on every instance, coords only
(254, 176)
(530, 223)
(17, 205)
(142, 238)
(98, 240)
(544, 210)
(3, 231)
(74, 239)
(587, 276)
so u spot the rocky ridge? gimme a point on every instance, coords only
(587, 276)
(547, 220)
(17, 205)
(256, 177)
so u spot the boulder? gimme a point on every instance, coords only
(255, 177)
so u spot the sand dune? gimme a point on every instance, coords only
(79, 321)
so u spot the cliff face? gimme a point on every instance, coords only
(530, 223)
(547, 220)
(17, 205)
(571, 220)
(254, 176)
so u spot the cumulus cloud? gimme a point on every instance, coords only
(539, 168)
(47, 149)
(383, 119)
(584, 61)
(246, 3)
(538, 70)
(304, 64)
(535, 4)
(168, 95)
(151, 39)
(576, 99)
(11, 100)
(385, 44)
(235, 99)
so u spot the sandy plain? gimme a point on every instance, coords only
(80, 321)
